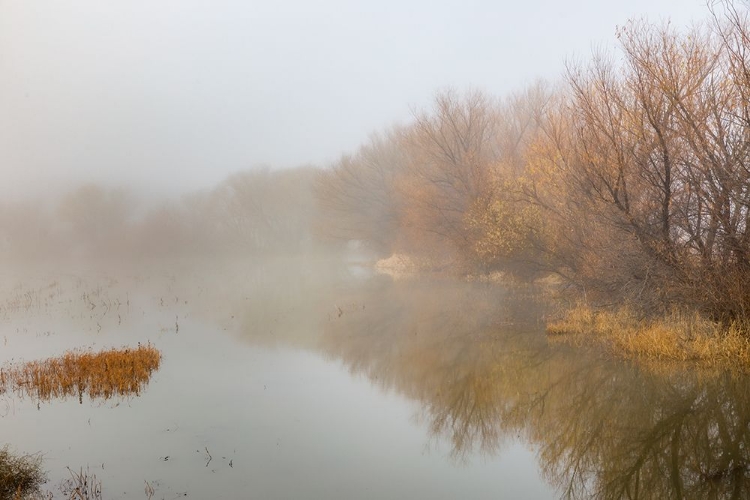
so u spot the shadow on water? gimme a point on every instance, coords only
(475, 357)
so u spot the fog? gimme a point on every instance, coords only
(173, 96)
(365, 242)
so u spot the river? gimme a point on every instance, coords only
(308, 378)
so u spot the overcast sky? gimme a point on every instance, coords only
(175, 94)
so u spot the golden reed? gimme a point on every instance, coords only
(114, 372)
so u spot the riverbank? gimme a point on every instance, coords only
(679, 337)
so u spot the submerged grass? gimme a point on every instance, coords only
(82, 485)
(676, 338)
(114, 372)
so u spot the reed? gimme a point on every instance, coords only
(114, 372)
(81, 485)
(677, 337)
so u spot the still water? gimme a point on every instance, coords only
(297, 378)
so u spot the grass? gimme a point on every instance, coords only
(20, 475)
(676, 338)
(114, 372)
(21, 478)
(82, 485)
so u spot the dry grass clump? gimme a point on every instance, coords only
(20, 475)
(403, 266)
(115, 372)
(397, 266)
(82, 485)
(678, 337)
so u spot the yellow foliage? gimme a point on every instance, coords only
(502, 228)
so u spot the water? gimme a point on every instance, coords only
(299, 378)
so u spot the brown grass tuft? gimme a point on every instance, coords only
(20, 475)
(82, 485)
(115, 372)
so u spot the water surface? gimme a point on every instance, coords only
(295, 378)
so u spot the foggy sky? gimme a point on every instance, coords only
(172, 95)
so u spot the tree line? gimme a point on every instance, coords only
(251, 213)
(630, 179)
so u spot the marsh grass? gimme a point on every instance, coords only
(20, 475)
(676, 338)
(114, 372)
(82, 485)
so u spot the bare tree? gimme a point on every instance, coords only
(358, 197)
(452, 151)
(648, 155)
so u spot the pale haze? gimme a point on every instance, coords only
(171, 96)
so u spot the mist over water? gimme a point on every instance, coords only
(336, 312)
(252, 373)
(280, 374)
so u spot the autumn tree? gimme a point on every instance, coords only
(508, 232)
(443, 188)
(452, 150)
(644, 171)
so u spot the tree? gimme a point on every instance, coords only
(96, 219)
(357, 196)
(649, 157)
(452, 152)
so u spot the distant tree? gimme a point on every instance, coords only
(165, 231)
(27, 231)
(95, 219)
(357, 196)
(263, 210)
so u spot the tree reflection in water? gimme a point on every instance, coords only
(475, 357)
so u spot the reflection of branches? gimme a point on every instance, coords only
(449, 350)
(603, 430)
(647, 436)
